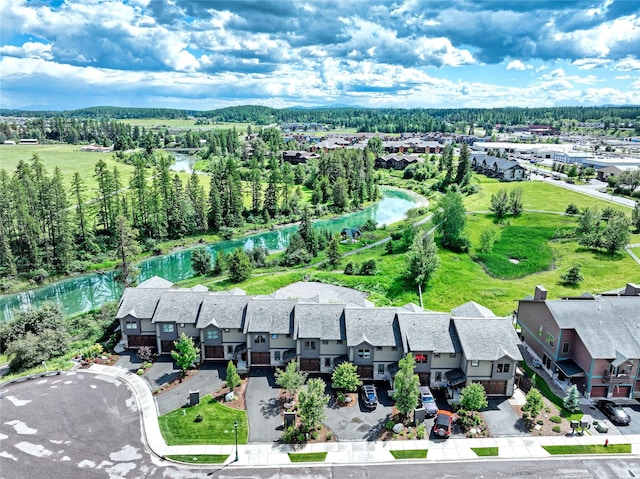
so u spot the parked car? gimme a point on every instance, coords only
(428, 403)
(615, 413)
(442, 424)
(369, 396)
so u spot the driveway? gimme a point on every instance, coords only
(263, 406)
(356, 423)
(73, 425)
(502, 419)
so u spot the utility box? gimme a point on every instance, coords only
(289, 419)
(194, 398)
(419, 415)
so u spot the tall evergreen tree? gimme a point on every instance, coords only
(127, 248)
(58, 224)
(195, 193)
(214, 214)
(463, 173)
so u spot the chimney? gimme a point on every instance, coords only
(632, 290)
(540, 293)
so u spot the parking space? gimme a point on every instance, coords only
(502, 420)
(357, 423)
(263, 406)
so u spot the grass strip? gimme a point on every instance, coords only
(589, 449)
(307, 456)
(200, 458)
(485, 451)
(409, 453)
(180, 427)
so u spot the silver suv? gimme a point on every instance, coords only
(428, 403)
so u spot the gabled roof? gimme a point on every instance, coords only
(139, 303)
(487, 339)
(325, 321)
(378, 327)
(274, 316)
(325, 293)
(178, 307)
(222, 311)
(156, 282)
(428, 332)
(607, 325)
(471, 309)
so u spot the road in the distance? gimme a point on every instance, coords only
(78, 425)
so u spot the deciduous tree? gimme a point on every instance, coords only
(450, 217)
(345, 376)
(312, 402)
(184, 353)
(406, 385)
(291, 378)
(473, 397)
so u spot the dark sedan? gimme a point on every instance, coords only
(369, 396)
(615, 413)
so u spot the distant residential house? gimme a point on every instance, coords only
(96, 148)
(352, 234)
(502, 169)
(295, 157)
(397, 162)
(592, 341)
(320, 334)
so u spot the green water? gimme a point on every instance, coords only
(89, 291)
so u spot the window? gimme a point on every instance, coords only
(438, 377)
(550, 340)
(327, 362)
(503, 368)
(475, 363)
(565, 347)
(324, 341)
(213, 334)
(167, 327)
(452, 355)
(309, 345)
(274, 336)
(380, 368)
(339, 341)
(260, 339)
(132, 325)
(421, 358)
(540, 331)
(276, 355)
(378, 348)
(229, 349)
(436, 355)
(364, 353)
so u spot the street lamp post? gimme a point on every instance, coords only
(235, 425)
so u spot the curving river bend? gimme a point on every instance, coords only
(83, 293)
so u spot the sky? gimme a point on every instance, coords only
(207, 54)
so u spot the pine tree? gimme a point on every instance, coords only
(195, 193)
(233, 378)
(215, 210)
(571, 402)
(333, 252)
(239, 266)
(463, 174)
(127, 248)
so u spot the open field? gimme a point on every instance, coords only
(68, 158)
(536, 195)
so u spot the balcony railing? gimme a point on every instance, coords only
(622, 378)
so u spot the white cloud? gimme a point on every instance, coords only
(590, 63)
(629, 63)
(518, 65)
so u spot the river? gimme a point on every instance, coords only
(88, 291)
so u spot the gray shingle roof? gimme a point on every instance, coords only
(178, 307)
(327, 293)
(471, 309)
(487, 339)
(325, 321)
(223, 311)
(156, 282)
(272, 316)
(139, 303)
(428, 332)
(605, 325)
(378, 327)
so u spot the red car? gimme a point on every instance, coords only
(442, 424)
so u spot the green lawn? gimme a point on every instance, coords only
(409, 453)
(536, 195)
(307, 456)
(180, 428)
(68, 158)
(590, 449)
(485, 451)
(200, 458)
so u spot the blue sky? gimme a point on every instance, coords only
(206, 54)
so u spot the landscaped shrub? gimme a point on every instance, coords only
(421, 431)
(145, 354)
(348, 269)
(539, 422)
(369, 268)
(556, 429)
(389, 425)
(572, 209)
(199, 418)
(556, 419)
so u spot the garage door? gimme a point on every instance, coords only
(599, 392)
(138, 340)
(261, 359)
(167, 346)
(213, 352)
(365, 372)
(621, 391)
(310, 364)
(495, 388)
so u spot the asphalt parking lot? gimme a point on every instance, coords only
(75, 425)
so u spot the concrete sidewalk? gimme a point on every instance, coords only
(347, 452)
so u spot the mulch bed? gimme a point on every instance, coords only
(169, 386)
(238, 402)
(549, 410)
